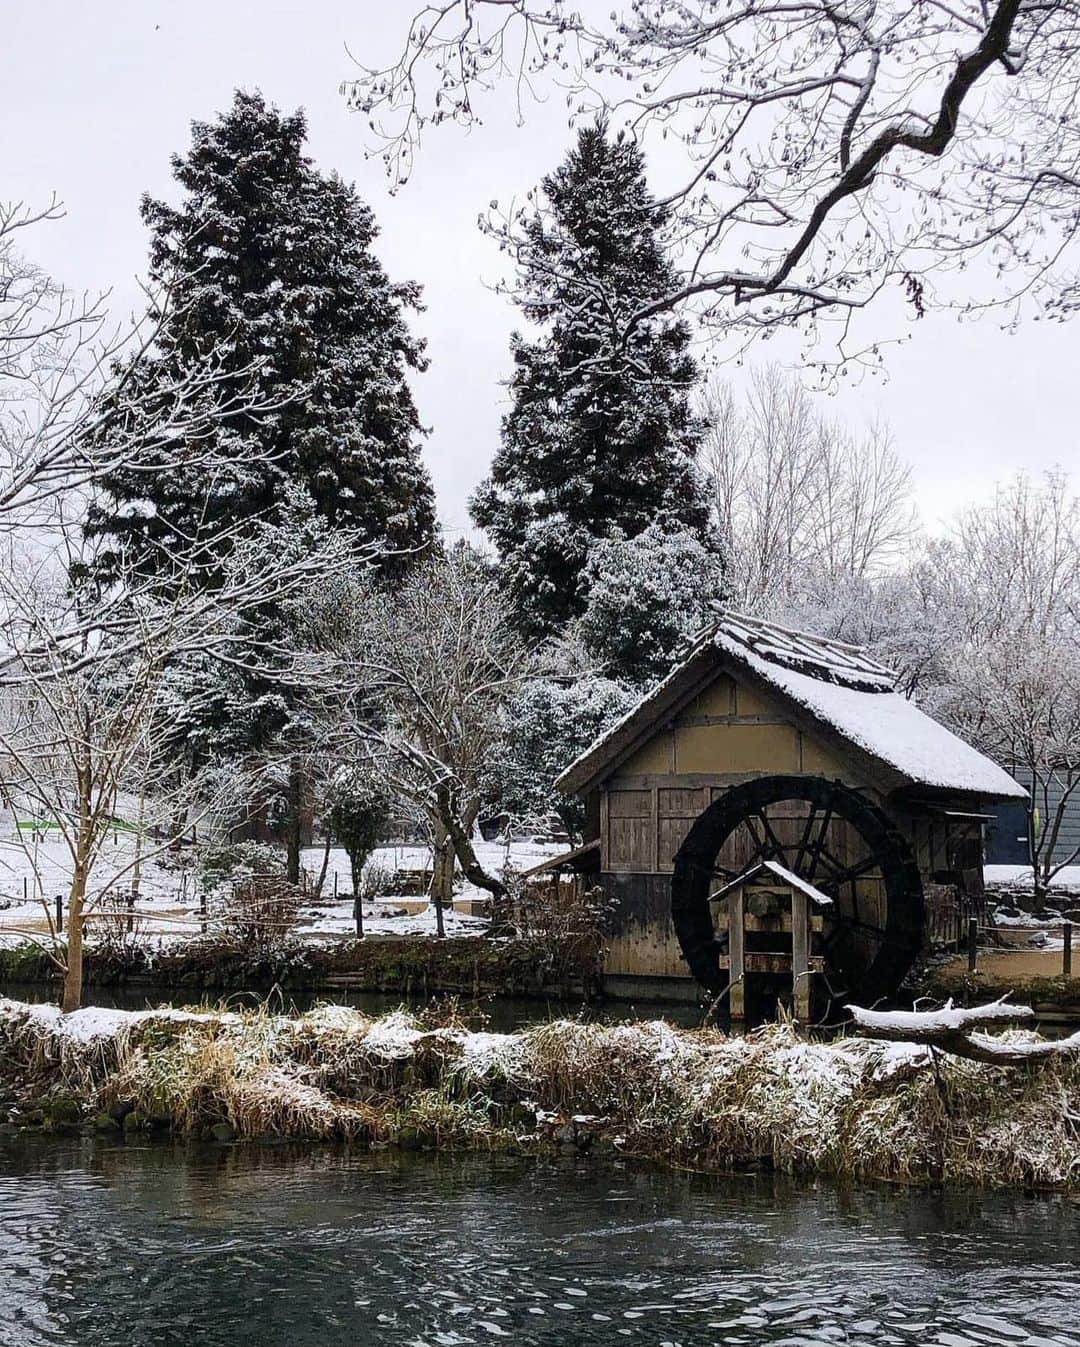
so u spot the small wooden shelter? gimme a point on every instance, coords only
(770, 921)
(766, 744)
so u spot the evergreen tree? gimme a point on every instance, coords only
(601, 435)
(644, 597)
(272, 282)
(269, 263)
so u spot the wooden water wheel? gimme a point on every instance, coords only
(831, 836)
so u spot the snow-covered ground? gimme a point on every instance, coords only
(34, 871)
(1021, 876)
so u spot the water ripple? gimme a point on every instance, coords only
(103, 1245)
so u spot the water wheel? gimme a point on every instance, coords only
(830, 835)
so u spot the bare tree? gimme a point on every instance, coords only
(804, 507)
(84, 718)
(438, 662)
(1009, 578)
(72, 403)
(832, 153)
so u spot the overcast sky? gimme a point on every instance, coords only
(98, 93)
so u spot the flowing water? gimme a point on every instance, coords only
(114, 1245)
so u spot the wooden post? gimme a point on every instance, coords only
(24, 891)
(736, 907)
(59, 913)
(973, 943)
(131, 913)
(800, 955)
(335, 884)
(202, 911)
(1066, 953)
(358, 914)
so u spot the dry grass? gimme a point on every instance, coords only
(693, 1098)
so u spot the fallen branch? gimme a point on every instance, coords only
(956, 1030)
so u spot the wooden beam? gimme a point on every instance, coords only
(736, 956)
(800, 954)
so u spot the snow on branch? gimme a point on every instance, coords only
(830, 152)
(957, 1030)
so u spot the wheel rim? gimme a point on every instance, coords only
(870, 941)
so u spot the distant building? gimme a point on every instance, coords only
(1007, 828)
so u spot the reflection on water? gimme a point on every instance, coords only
(126, 1246)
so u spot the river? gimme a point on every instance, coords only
(121, 1245)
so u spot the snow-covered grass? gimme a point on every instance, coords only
(168, 902)
(691, 1098)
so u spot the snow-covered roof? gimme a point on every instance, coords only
(777, 871)
(839, 687)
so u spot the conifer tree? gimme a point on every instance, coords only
(273, 283)
(601, 435)
(269, 264)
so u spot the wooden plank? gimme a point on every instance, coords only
(630, 803)
(736, 952)
(631, 844)
(679, 802)
(800, 954)
(654, 820)
(760, 961)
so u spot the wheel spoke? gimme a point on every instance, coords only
(804, 840)
(771, 837)
(850, 874)
(819, 845)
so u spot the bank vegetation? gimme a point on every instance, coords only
(701, 1099)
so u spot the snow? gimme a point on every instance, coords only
(786, 876)
(93, 1023)
(887, 726)
(168, 905)
(1021, 875)
(949, 1019)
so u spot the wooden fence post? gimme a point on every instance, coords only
(973, 943)
(59, 913)
(202, 911)
(1066, 953)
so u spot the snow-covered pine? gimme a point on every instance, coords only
(550, 723)
(643, 597)
(269, 262)
(269, 265)
(601, 435)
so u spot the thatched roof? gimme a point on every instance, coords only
(835, 690)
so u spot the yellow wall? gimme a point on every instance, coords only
(736, 748)
(732, 730)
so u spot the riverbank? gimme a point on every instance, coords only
(695, 1099)
(546, 966)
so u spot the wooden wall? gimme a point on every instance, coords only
(726, 735)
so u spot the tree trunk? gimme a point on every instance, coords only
(442, 877)
(325, 865)
(73, 971)
(473, 871)
(356, 869)
(136, 869)
(73, 968)
(294, 800)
